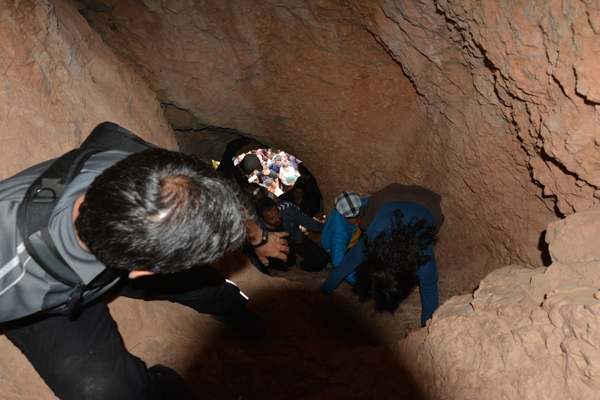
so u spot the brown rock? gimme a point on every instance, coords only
(341, 101)
(59, 81)
(524, 333)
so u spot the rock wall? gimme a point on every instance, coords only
(59, 80)
(301, 76)
(525, 333)
(457, 97)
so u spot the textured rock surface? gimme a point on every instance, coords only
(417, 92)
(525, 333)
(492, 104)
(59, 81)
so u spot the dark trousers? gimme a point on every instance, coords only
(81, 356)
(314, 258)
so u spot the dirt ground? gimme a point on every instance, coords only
(317, 347)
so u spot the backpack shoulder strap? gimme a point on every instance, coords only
(37, 206)
(111, 136)
(43, 194)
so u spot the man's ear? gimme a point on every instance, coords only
(138, 273)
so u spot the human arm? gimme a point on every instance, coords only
(339, 242)
(319, 216)
(428, 285)
(276, 246)
(233, 147)
(351, 261)
(308, 222)
(336, 236)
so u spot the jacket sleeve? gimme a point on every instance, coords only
(428, 286)
(232, 148)
(336, 237)
(308, 222)
(351, 261)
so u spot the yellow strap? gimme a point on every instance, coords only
(355, 238)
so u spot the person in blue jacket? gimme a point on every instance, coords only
(396, 250)
(341, 226)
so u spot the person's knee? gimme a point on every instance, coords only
(167, 384)
(106, 372)
(314, 263)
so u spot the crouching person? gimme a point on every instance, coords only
(395, 253)
(144, 225)
(287, 217)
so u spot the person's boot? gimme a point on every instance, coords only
(246, 323)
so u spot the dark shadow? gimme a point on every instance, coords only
(308, 353)
(314, 349)
(543, 247)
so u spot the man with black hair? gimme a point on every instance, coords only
(396, 250)
(272, 187)
(245, 168)
(287, 217)
(152, 221)
(275, 165)
(267, 173)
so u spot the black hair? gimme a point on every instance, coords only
(301, 185)
(393, 257)
(161, 211)
(303, 169)
(268, 182)
(263, 205)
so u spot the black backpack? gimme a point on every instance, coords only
(43, 194)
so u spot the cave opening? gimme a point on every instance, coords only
(378, 328)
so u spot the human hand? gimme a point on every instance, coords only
(276, 247)
(319, 216)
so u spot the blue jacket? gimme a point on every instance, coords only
(337, 234)
(336, 237)
(427, 274)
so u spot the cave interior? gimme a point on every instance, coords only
(493, 105)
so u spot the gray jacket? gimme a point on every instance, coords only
(25, 288)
